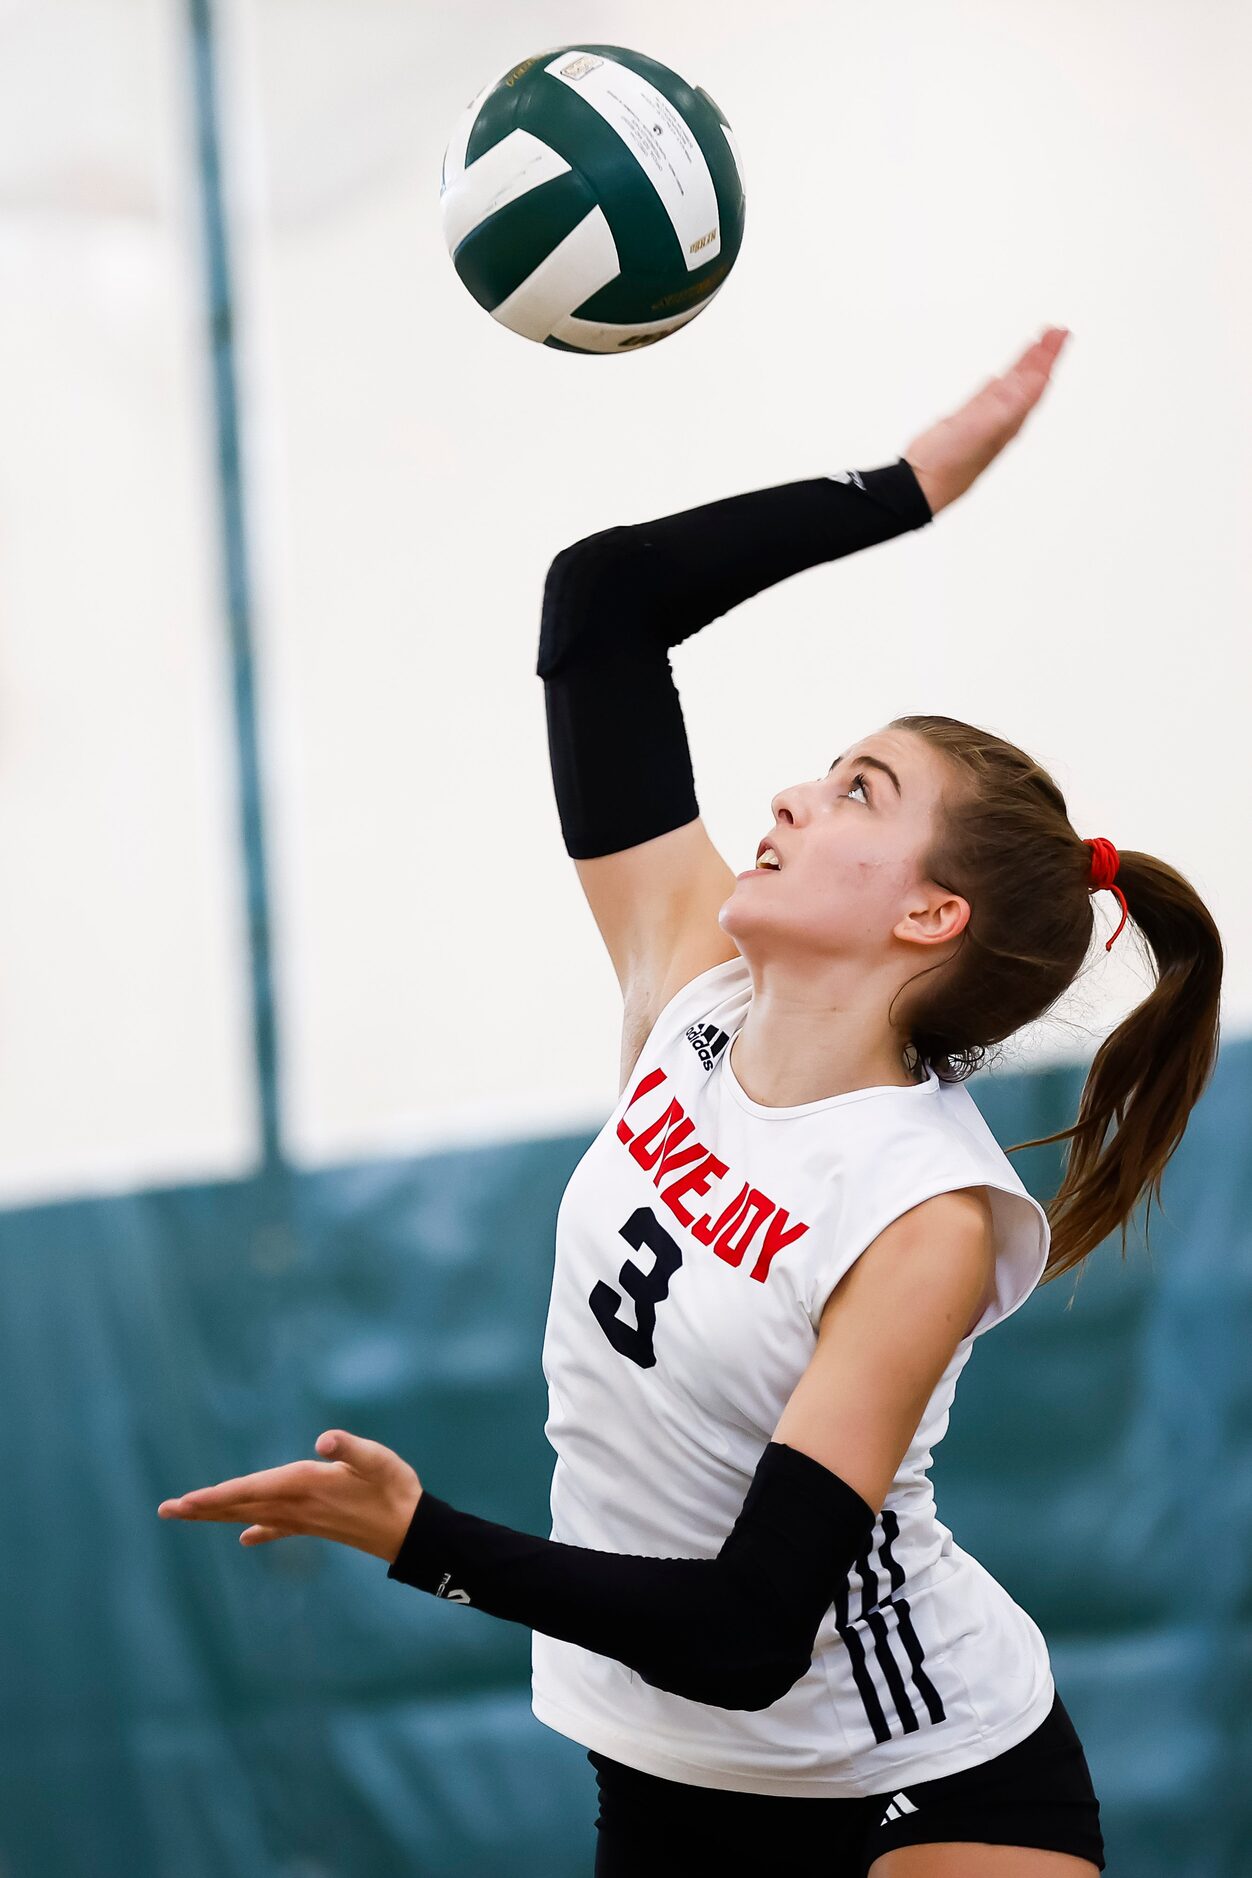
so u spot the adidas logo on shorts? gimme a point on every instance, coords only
(900, 1805)
(708, 1042)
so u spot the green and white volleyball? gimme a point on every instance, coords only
(592, 199)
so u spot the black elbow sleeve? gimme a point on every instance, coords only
(798, 1532)
(615, 602)
(617, 742)
(733, 1632)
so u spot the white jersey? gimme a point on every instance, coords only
(697, 1242)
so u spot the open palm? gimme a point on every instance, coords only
(949, 456)
(364, 1497)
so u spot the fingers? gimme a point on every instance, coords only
(1015, 394)
(276, 1516)
(262, 1535)
(245, 1496)
(1034, 368)
(357, 1451)
(192, 1506)
(1042, 353)
(249, 1490)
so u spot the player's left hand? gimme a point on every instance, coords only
(362, 1495)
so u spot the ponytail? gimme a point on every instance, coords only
(1147, 1075)
(1003, 839)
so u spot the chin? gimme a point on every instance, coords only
(734, 915)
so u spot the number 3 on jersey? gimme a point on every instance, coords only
(647, 1289)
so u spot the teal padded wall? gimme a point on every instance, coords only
(175, 1706)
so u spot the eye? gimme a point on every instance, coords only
(857, 780)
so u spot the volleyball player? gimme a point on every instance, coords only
(775, 1258)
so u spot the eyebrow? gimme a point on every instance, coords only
(873, 762)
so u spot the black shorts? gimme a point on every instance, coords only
(1038, 1793)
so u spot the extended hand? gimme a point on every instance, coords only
(948, 457)
(365, 1498)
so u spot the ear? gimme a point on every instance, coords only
(936, 920)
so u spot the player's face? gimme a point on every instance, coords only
(851, 847)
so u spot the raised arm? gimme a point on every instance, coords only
(616, 601)
(621, 766)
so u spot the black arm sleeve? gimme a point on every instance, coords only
(615, 602)
(735, 1631)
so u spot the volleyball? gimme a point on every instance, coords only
(592, 199)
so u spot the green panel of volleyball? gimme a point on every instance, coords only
(174, 1706)
(514, 237)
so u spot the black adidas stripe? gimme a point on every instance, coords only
(887, 1663)
(872, 1614)
(912, 1642)
(860, 1674)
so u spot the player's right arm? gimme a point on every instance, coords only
(613, 606)
(621, 771)
(616, 602)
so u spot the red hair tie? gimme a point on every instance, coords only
(1105, 861)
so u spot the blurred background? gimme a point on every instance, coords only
(304, 1021)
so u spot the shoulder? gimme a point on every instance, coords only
(931, 1265)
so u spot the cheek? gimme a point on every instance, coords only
(878, 887)
(857, 879)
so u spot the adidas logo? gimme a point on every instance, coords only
(457, 1597)
(847, 476)
(708, 1042)
(900, 1805)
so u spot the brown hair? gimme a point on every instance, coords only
(1004, 841)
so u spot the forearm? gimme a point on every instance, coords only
(680, 571)
(735, 1631)
(614, 602)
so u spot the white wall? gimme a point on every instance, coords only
(124, 1019)
(927, 187)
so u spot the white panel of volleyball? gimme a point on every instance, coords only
(669, 159)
